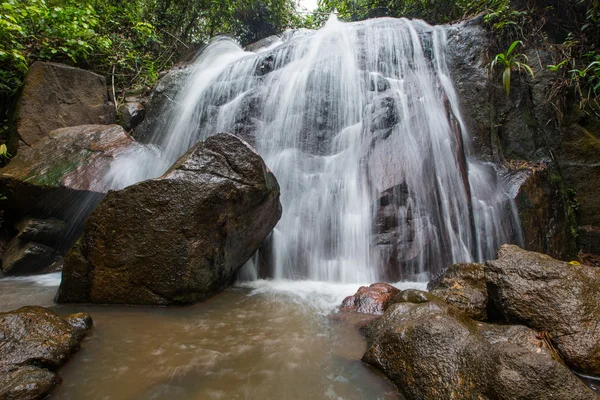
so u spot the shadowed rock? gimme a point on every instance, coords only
(179, 238)
(34, 342)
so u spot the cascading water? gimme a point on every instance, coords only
(361, 125)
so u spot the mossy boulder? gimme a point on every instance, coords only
(48, 178)
(548, 295)
(179, 238)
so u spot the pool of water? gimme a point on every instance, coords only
(260, 340)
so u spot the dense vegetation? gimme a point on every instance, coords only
(129, 42)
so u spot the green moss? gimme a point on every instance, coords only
(57, 170)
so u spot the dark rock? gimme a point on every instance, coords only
(56, 96)
(162, 100)
(552, 296)
(547, 220)
(61, 169)
(374, 299)
(463, 286)
(432, 350)
(45, 231)
(179, 238)
(132, 113)
(27, 258)
(589, 239)
(35, 248)
(34, 342)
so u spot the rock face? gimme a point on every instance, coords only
(57, 96)
(179, 238)
(34, 342)
(553, 296)
(463, 286)
(548, 222)
(432, 350)
(132, 112)
(374, 299)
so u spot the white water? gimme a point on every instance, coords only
(342, 115)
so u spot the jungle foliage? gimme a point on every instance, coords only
(129, 42)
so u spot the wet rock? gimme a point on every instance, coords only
(547, 221)
(432, 350)
(179, 238)
(27, 258)
(463, 286)
(35, 248)
(62, 169)
(374, 299)
(45, 231)
(589, 239)
(56, 96)
(132, 113)
(34, 342)
(552, 296)
(162, 99)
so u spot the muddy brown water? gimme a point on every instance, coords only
(265, 340)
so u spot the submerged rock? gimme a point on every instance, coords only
(432, 350)
(179, 238)
(34, 342)
(463, 286)
(551, 296)
(57, 96)
(374, 299)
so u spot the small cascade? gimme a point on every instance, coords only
(361, 125)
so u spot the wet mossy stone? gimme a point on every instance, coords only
(34, 343)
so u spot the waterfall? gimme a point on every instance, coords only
(361, 126)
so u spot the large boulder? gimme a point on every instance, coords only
(34, 342)
(46, 179)
(463, 286)
(552, 296)
(432, 350)
(57, 96)
(179, 238)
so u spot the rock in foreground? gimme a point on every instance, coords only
(179, 238)
(34, 342)
(432, 350)
(553, 296)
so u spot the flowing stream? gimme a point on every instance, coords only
(265, 340)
